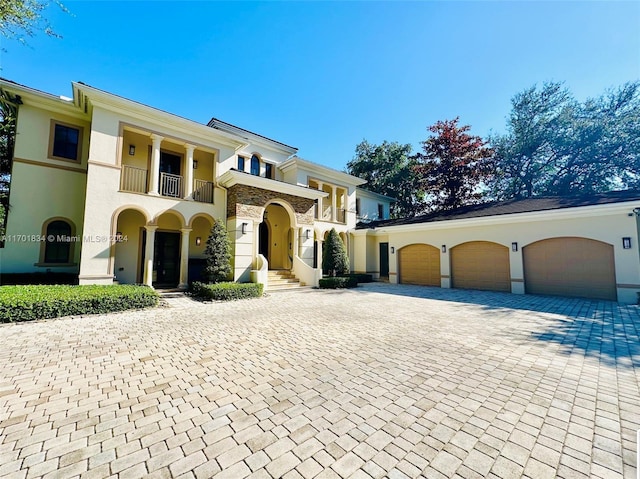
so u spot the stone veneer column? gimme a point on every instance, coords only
(148, 254)
(155, 164)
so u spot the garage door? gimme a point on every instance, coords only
(570, 267)
(420, 264)
(480, 265)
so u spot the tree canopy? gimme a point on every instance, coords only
(452, 166)
(388, 169)
(23, 18)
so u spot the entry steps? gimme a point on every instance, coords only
(282, 280)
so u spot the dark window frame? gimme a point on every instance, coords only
(62, 145)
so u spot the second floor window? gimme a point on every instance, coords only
(255, 165)
(65, 142)
(268, 170)
(241, 163)
(380, 211)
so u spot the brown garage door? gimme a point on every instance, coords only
(420, 264)
(480, 265)
(570, 267)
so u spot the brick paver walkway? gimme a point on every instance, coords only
(381, 381)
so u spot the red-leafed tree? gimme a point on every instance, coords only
(453, 166)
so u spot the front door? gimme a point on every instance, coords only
(384, 260)
(166, 259)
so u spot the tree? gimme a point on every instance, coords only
(8, 115)
(555, 145)
(218, 254)
(388, 169)
(334, 255)
(22, 18)
(453, 166)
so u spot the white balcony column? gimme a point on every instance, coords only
(148, 253)
(319, 212)
(320, 245)
(155, 164)
(184, 258)
(334, 211)
(188, 174)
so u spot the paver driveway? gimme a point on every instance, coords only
(382, 381)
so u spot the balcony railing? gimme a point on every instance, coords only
(342, 215)
(133, 179)
(203, 191)
(170, 185)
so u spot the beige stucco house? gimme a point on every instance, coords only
(109, 189)
(114, 190)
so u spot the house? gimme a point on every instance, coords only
(578, 246)
(114, 190)
(108, 189)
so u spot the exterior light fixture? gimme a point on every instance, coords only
(393, 250)
(444, 248)
(132, 150)
(514, 246)
(198, 240)
(244, 228)
(195, 164)
(307, 234)
(626, 242)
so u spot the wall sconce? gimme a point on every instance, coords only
(198, 240)
(393, 250)
(514, 246)
(244, 228)
(626, 242)
(307, 234)
(132, 150)
(444, 248)
(195, 164)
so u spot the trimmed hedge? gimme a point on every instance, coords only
(338, 282)
(226, 291)
(360, 277)
(28, 303)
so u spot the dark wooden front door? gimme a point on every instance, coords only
(384, 260)
(166, 259)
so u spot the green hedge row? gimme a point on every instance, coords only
(338, 282)
(28, 303)
(226, 291)
(360, 277)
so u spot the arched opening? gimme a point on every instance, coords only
(275, 240)
(166, 251)
(128, 250)
(200, 231)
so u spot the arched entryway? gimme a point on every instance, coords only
(275, 237)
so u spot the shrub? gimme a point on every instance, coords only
(226, 291)
(218, 254)
(338, 282)
(360, 277)
(334, 255)
(28, 303)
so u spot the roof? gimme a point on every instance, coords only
(373, 194)
(228, 127)
(321, 170)
(500, 208)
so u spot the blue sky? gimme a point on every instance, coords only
(322, 76)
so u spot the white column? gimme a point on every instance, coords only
(148, 253)
(184, 258)
(155, 164)
(188, 174)
(334, 215)
(319, 216)
(320, 242)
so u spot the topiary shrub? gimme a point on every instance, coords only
(334, 255)
(338, 282)
(361, 277)
(28, 303)
(217, 254)
(226, 291)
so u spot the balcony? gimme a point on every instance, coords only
(203, 191)
(170, 185)
(133, 179)
(325, 214)
(341, 215)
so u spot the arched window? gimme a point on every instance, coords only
(58, 242)
(255, 165)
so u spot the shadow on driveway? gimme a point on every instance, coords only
(605, 330)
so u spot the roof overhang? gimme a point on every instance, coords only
(234, 177)
(624, 208)
(321, 171)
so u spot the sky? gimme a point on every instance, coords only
(323, 76)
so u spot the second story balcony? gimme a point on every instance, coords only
(136, 180)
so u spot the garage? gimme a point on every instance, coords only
(480, 265)
(419, 264)
(578, 267)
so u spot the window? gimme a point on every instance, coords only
(65, 141)
(241, 163)
(358, 206)
(255, 165)
(57, 250)
(268, 170)
(380, 211)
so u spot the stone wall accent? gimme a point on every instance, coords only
(248, 202)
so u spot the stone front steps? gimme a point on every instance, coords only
(282, 280)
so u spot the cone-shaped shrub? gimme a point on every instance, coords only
(218, 254)
(334, 255)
